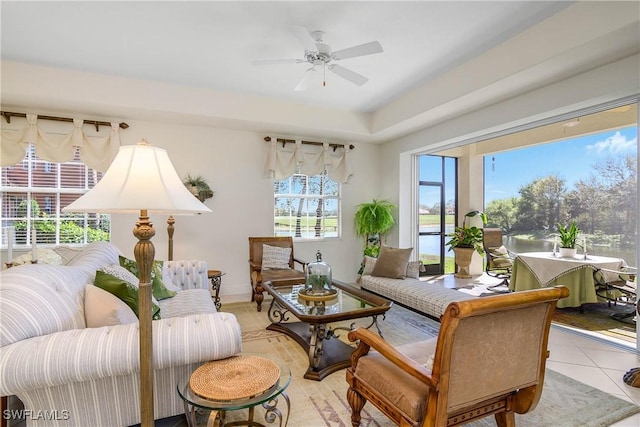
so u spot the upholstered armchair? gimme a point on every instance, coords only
(488, 359)
(271, 259)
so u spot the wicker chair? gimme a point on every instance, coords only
(282, 276)
(488, 359)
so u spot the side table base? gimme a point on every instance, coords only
(271, 416)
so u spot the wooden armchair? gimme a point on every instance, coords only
(278, 276)
(488, 359)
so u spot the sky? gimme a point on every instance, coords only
(570, 159)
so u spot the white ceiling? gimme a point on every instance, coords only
(210, 45)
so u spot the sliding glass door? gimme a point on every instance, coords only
(436, 210)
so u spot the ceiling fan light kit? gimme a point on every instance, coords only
(317, 53)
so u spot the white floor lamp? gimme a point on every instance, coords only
(141, 179)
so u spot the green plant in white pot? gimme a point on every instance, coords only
(568, 237)
(464, 242)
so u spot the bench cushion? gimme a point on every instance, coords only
(428, 298)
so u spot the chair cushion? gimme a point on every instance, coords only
(392, 262)
(283, 277)
(102, 308)
(405, 391)
(274, 257)
(500, 257)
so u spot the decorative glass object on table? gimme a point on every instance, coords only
(318, 278)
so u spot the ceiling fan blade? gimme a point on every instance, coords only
(304, 81)
(345, 73)
(360, 50)
(277, 61)
(305, 38)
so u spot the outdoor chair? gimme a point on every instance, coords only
(271, 259)
(499, 261)
(489, 358)
(618, 286)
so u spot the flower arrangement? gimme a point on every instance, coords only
(44, 256)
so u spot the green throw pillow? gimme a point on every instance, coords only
(159, 289)
(123, 290)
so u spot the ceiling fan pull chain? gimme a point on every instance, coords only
(324, 75)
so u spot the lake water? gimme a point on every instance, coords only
(431, 245)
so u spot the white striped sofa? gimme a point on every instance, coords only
(427, 298)
(70, 375)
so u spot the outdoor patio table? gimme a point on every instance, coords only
(532, 270)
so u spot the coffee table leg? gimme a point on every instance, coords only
(318, 334)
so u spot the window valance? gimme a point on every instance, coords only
(284, 158)
(96, 152)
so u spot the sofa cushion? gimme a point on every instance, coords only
(187, 302)
(274, 257)
(413, 267)
(159, 288)
(126, 291)
(39, 299)
(101, 308)
(392, 262)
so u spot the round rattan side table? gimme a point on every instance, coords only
(240, 382)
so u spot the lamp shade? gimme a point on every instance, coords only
(140, 177)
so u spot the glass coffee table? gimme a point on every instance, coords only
(313, 331)
(239, 382)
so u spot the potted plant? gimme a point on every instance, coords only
(568, 236)
(372, 220)
(464, 241)
(198, 186)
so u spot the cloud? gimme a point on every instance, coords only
(617, 143)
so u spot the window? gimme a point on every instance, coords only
(307, 207)
(34, 193)
(587, 174)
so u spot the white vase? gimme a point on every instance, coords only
(568, 252)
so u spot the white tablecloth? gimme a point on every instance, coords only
(546, 268)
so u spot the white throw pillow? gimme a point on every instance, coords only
(102, 308)
(274, 257)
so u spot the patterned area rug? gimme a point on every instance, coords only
(564, 402)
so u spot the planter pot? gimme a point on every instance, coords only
(568, 252)
(463, 261)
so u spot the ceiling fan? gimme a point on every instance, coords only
(319, 54)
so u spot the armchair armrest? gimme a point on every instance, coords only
(83, 354)
(186, 274)
(301, 262)
(368, 340)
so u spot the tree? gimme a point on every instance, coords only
(502, 213)
(540, 206)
